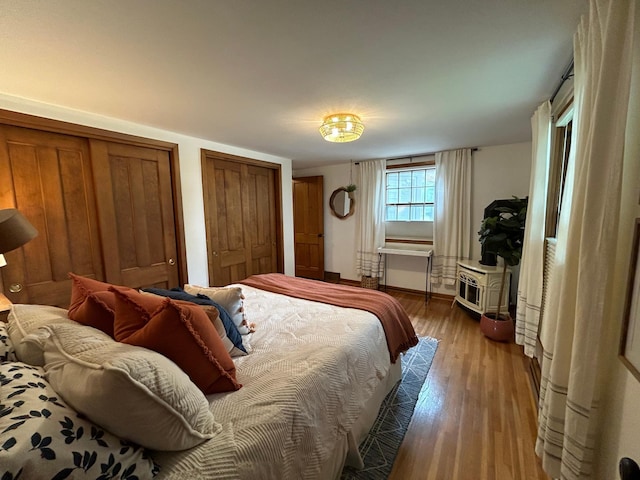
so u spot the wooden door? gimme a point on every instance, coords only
(136, 214)
(242, 217)
(308, 224)
(48, 178)
(259, 212)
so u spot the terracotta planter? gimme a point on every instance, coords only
(499, 330)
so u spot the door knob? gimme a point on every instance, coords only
(629, 469)
(172, 261)
(15, 287)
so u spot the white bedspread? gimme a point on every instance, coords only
(312, 368)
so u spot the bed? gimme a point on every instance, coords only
(312, 382)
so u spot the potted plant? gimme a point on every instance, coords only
(502, 234)
(350, 189)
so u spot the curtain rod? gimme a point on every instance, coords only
(565, 76)
(410, 157)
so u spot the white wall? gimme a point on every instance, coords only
(620, 425)
(498, 172)
(190, 175)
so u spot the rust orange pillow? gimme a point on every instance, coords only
(181, 332)
(92, 303)
(138, 315)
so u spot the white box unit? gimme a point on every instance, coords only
(478, 287)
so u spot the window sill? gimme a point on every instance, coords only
(410, 241)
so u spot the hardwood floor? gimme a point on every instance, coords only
(475, 417)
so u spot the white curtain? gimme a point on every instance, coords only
(530, 285)
(587, 236)
(371, 233)
(452, 225)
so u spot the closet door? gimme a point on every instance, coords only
(48, 178)
(242, 216)
(135, 214)
(259, 212)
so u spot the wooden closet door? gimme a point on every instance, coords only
(242, 220)
(48, 178)
(259, 213)
(135, 214)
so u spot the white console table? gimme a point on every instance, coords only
(412, 252)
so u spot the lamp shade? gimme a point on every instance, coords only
(341, 127)
(15, 230)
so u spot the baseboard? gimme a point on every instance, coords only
(390, 288)
(535, 376)
(332, 277)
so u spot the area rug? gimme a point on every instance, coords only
(380, 447)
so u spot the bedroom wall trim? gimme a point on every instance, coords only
(535, 375)
(16, 119)
(434, 295)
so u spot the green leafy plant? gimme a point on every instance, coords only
(350, 188)
(503, 234)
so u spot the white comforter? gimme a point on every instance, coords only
(312, 368)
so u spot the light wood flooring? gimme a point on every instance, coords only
(475, 417)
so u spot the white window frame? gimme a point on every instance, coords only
(410, 203)
(419, 230)
(560, 151)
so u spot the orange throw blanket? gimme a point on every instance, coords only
(396, 324)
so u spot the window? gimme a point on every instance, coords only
(561, 148)
(410, 194)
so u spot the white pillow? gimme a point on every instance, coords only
(229, 298)
(41, 437)
(135, 393)
(214, 317)
(27, 319)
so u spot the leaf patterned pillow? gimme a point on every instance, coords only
(7, 352)
(43, 438)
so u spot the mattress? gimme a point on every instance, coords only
(314, 374)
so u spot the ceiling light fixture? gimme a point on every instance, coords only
(341, 127)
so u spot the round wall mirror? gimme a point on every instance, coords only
(342, 205)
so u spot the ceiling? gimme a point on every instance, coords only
(424, 75)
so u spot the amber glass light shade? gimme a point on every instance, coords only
(341, 127)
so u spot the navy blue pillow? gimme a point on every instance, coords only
(177, 293)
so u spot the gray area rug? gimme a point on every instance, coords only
(380, 448)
